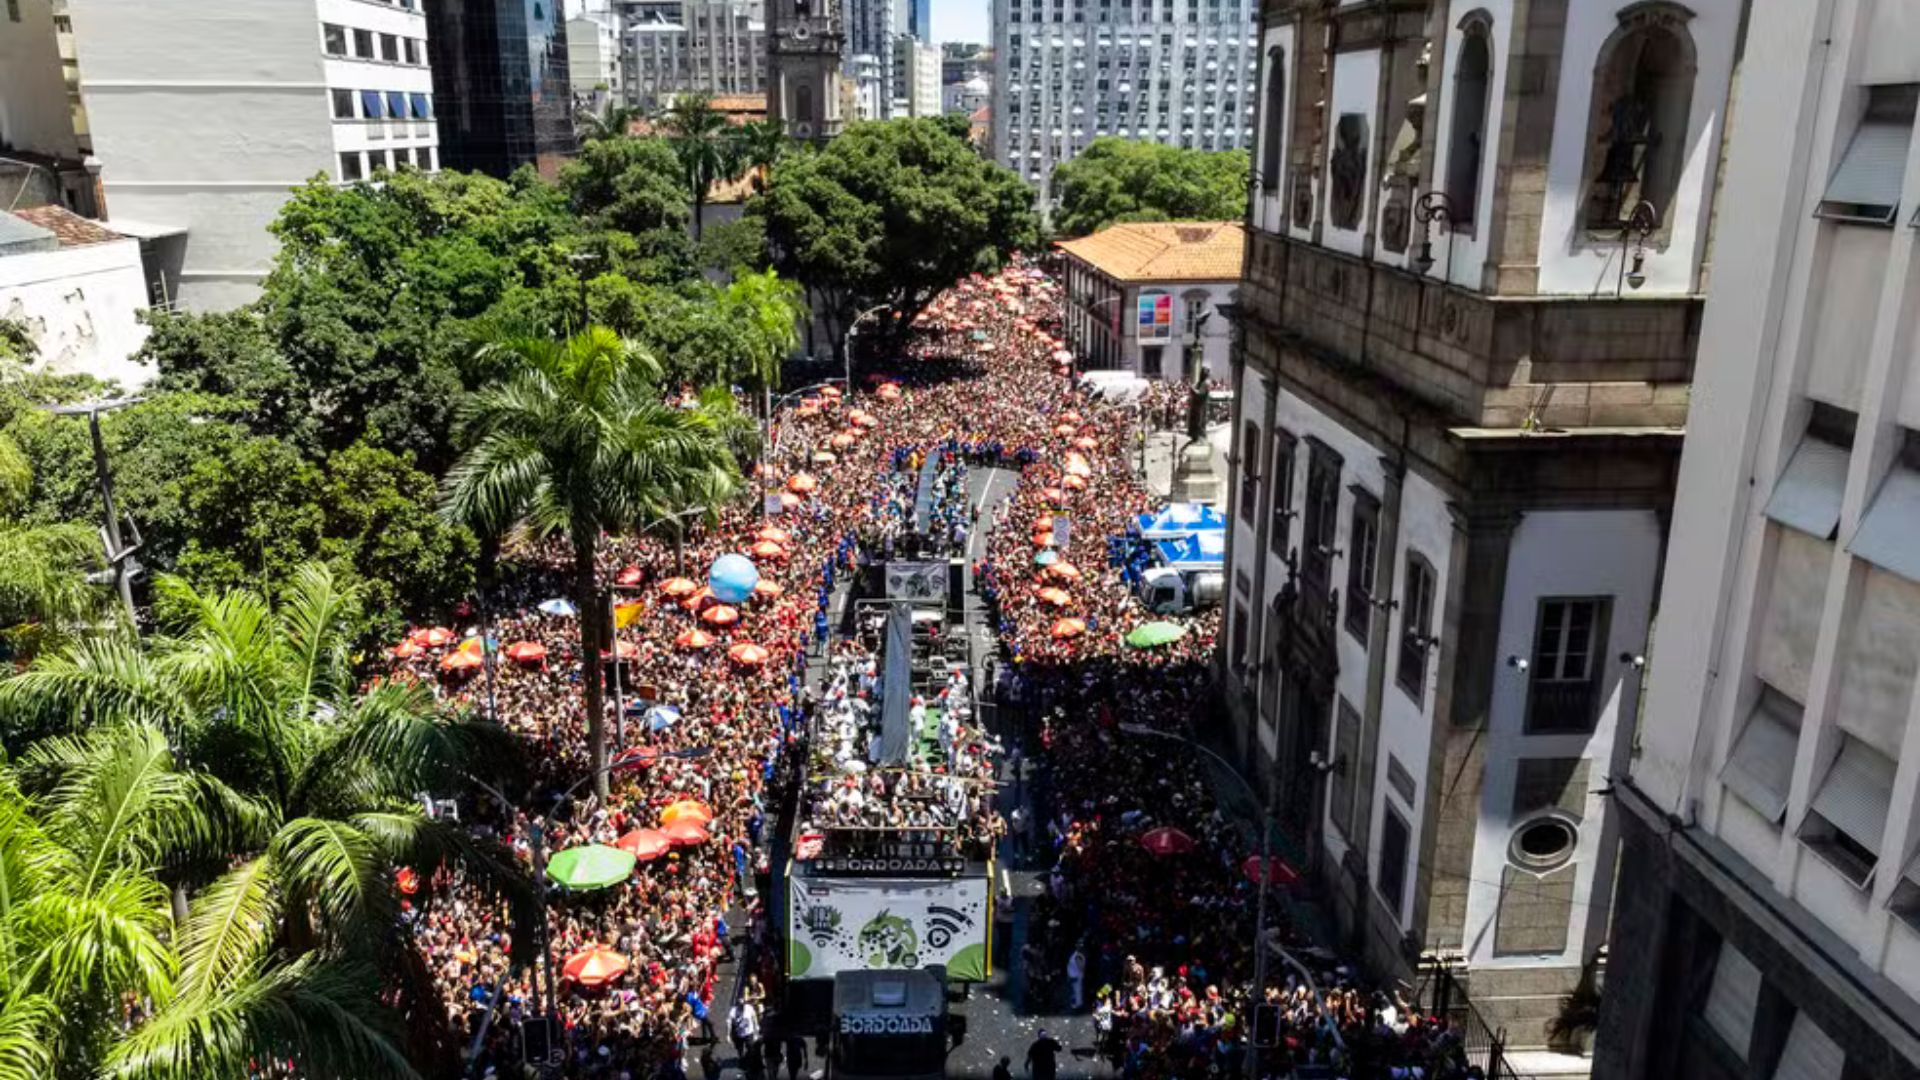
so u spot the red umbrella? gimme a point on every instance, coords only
(866, 420)
(1077, 465)
(678, 586)
(1086, 442)
(1278, 871)
(1043, 539)
(801, 483)
(788, 500)
(1044, 521)
(1054, 496)
(720, 615)
(406, 650)
(1064, 429)
(1070, 416)
(767, 549)
(431, 637)
(1166, 840)
(628, 575)
(1076, 483)
(595, 966)
(773, 535)
(1069, 628)
(747, 654)
(460, 661)
(1056, 597)
(627, 650)
(768, 589)
(888, 392)
(696, 601)
(842, 441)
(408, 881)
(686, 832)
(645, 844)
(526, 652)
(805, 411)
(1063, 570)
(686, 810)
(693, 639)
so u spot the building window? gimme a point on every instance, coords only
(335, 38)
(412, 48)
(371, 105)
(1637, 132)
(1391, 876)
(422, 107)
(342, 104)
(1275, 120)
(1416, 627)
(1865, 187)
(1847, 820)
(390, 48)
(1249, 472)
(1363, 540)
(1240, 633)
(1466, 134)
(1569, 640)
(1340, 781)
(1151, 357)
(396, 105)
(350, 169)
(427, 156)
(1280, 491)
(1731, 999)
(363, 44)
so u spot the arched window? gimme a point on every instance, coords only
(1275, 119)
(1637, 130)
(1467, 132)
(803, 103)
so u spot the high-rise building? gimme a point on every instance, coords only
(805, 49)
(1769, 915)
(1181, 75)
(914, 17)
(594, 71)
(197, 121)
(1468, 321)
(916, 78)
(716, 47)
(961, 60)
(868, 54)
(500, 68)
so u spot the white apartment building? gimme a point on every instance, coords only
(692, 46)
(1769, 914)
(916, 77)
(1066, 72)
(593, 59)
(203, 117)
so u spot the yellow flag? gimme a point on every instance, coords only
(625, 615)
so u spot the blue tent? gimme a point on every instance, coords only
(1195, 551)
(1180, 519)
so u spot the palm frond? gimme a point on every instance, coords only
(317, 613)
(92, 680)
(229, 929)
(27, 1026)
(43, 575)
(333, 868)
(117, 801)
(109, 938)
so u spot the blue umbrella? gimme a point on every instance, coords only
(562, 608)
(662, 717)
(732, 578)
(1046, 557)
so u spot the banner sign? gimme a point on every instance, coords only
(925, 581)
(888, 865)
(1156, 316)
(840, 925)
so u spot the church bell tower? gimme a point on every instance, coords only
(805, 39)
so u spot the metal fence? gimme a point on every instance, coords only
(1484, 1044)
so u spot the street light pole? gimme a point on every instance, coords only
(846, 341)
(120, 556)
(1260, 943)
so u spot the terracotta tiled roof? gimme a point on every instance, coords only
(1163, 251)
(71, 229)
(741, 103)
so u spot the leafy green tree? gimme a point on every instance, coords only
(44, 592)
(612, 123)
(891, 213)
(379, 519)
(728, 247)
(632, 185)
(758, 147)
(1115, 180)
(707, 149)
(574, 443)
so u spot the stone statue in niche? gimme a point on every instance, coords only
(1302, 212)
(1402, 175)
(1349, 171)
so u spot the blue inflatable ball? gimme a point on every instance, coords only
(732, 578)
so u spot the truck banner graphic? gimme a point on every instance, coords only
(847, 925)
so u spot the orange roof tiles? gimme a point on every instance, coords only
(1163, 250)
(70, 228)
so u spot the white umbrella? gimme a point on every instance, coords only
(560, 607)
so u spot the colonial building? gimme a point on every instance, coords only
(1479, 235)
(1769, 915)
(804, 43)
(1143, 297)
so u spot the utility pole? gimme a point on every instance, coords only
(122, 566)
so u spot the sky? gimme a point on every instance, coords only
(960, 20)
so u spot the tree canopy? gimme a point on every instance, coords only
(1115, 180)
(890, 213)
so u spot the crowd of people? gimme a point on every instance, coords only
(1162, 936)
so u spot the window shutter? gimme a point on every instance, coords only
(1810, 1054)
(1732, 998)
(1759, 768)
(1886, 532)
(1882, 653)
(1807, 495)
(1855, 793)
(1792, 620)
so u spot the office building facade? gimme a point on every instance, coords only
(500, 71)
(715, 47)
(916, 78)
(199, 121)
(1478, 237)
(1768, 923)
(1066, 72)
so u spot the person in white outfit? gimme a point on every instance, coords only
(1076, 978)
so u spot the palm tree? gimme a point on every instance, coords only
(612, 124)
(771, 308)
(701, 140)
(759, 146)
(44, 591)
(577, 442)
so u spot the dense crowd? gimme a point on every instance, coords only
(1163, 937)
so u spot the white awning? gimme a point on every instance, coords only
(1759, 768)
(1888, 531)
(1807, 495)
(1866, 185)
(1856, 791)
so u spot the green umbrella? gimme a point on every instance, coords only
(593, 866)
(978, 335)
(1047, 557)
(1148, 635)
